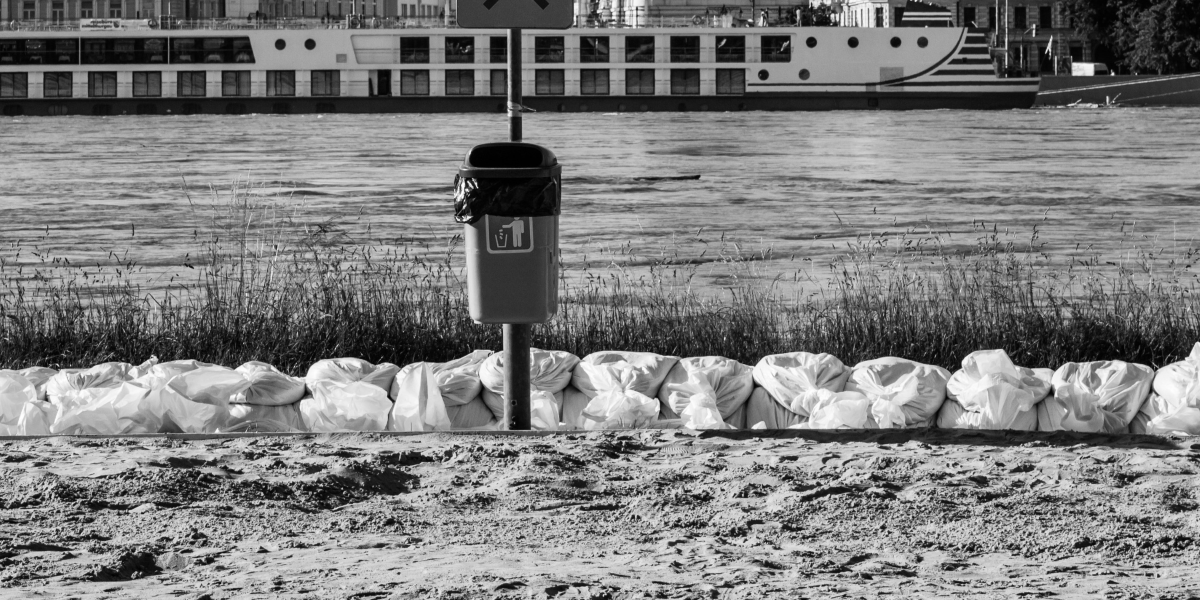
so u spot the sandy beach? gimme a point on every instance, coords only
(636, 514)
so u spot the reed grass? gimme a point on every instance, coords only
(267, 287)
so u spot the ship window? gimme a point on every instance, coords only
(235, 83)
(852, 42)
(498, 49)
(639, 49)
(922, 42)
(804, 74)
(40, 52)
(593, 49)
(147, 84)
(280, 44)
(214, 50)
(731, 81)
(102, 84)
(685, 48)
(548, 49)
(326, 83)
(281, 83)
(209, 50)
(895, 42)
(14, 85)
(776, 48)
(811, 42)
(56, 85)
(414, 50)
(639, 82)
(123, 51)
(460, 83)
(414, 83)
(499, 82)
(593, 82)
(685, 81)
(731, 48)
(191, 84)
(548, 82)
(460, 50)
(11, 52)
(309, 44)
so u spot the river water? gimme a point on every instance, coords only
(793, 190)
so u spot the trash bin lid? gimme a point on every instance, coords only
(509, 160)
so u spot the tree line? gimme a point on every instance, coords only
(1143, 36)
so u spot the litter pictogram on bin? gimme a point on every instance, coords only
(509, 234)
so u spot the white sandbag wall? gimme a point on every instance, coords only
(604, 390)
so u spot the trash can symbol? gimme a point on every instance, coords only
(507, 195)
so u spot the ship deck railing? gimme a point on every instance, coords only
(633, 21)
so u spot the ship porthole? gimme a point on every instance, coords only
(853, 42)
(310, 44)
(895, 42)
(620, 108)
(703, 107)
(280, 44)
(804, 74)
(922, 42)
(682, 107)
(583, 108)
(763, 74)
(645, 108)
(812, 42)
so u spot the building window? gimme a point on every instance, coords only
(57, 13)
(147, 84)
(776, 48)
(414, 83)
(498, 49)
(87, 9)
(899, 16)
(731, 81)
(593, 49)
(639, 49)
(593, 82)
(414, 50)
(685, 81)
(685, 48)
(639, 82)
(548, 82)
(879, 16)
(102, 84)
(499, 82)
(1045, 17)
(992, 23)
(460, 50)
(191, 84)
(14, 85)
(731, 48)
(281, 83)
(114, 10)
(235, 83)
(326, 83)
(1019, 17)
(29, 11)
(969, 16)
(548, 49)
(460, 83)
(56, 85)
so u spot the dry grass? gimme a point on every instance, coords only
(267, 288)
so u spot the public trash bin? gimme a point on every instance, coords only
(507, 195)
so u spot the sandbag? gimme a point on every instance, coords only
(39, 377)
(126, 408)
(338, 406)
(419, 405)
(792, 380)
(189, 405)
(1099, 396)
(549, 371)
(762, 408)
(457, 380)
(990, 392)
(1174, 405)
(261, 418)
(902, 393)
(472, 415)
(641, 372)
(350, 370)
(574, 402)
(840, 410)
(67, 388)
(267, 386)
(727, 381)
(21, 411)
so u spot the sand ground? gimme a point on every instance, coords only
(640, 514)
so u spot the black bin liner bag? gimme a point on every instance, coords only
(526, 197)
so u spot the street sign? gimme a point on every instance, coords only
(516, 14)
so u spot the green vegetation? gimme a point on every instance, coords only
(1148, 36)
(272, 290)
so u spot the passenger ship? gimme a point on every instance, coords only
(370, 65)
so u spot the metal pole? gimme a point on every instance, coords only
(514, 85)
(516, 336)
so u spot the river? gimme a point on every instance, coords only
(791, 190)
